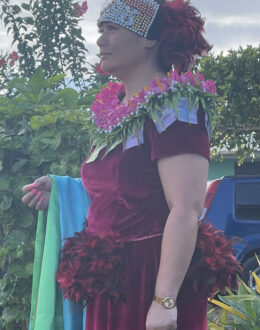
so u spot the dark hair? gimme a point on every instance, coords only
(179, 28)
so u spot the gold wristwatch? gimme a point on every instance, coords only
(167, 302)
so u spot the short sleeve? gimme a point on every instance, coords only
(179, 138)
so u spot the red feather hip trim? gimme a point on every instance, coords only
(214, 266)
(90, 266)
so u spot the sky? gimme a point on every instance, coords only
(229, 24)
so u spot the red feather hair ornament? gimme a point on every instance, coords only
(180, 34)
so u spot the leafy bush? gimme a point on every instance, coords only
(237, 77)
(42, 131)
(47, 34)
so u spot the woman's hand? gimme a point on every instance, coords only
(160, 318)
(37, 194)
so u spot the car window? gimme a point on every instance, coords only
(247, 200)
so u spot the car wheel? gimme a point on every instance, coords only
(249, 266)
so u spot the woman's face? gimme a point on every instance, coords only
(121, 50)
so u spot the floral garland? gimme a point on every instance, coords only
(111, 122)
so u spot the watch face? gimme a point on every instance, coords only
(169, 302)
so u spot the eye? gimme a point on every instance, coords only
(111, 27)
(107, 27)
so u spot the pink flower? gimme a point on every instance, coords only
(159, 85)
(80, 10)
(139, 98)
(105, 104)
(2, 62)
(99, 70)
(84, 7)
(173, 75)
(211, 87)
(188, 78)
(200, 76)
(13, 56)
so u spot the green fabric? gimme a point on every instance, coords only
(46, 305)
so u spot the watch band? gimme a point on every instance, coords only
(159, 300)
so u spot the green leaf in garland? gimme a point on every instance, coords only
(202, 100)
(175, 106)
(197, 99)
(95, 152)
(112, 146)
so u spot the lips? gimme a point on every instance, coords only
(104, 54)
(104, 57)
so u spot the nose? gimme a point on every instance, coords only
(101, 40)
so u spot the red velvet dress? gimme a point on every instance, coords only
(129, 206)
(127, 198)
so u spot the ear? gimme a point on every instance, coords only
(150, 43)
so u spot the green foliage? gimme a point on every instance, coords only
(42, 131)
(47, 35)
(237, 77)
(245, 310)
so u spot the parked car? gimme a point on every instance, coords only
(233, 205)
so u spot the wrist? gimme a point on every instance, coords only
(167, 302)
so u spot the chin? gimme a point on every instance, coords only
(109, 69)
(105, 67)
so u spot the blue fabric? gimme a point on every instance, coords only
(74, 204)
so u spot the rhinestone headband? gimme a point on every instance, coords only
(134, 15)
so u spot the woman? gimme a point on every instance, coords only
(146, 176)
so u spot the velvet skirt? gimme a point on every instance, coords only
(142, 264)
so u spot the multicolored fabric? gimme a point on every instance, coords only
(49, 310)
(134, 15)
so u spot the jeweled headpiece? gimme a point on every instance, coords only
(134, 15)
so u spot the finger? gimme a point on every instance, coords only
(29, 187)
(29, 196)
(35, 199)
(39, 205)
